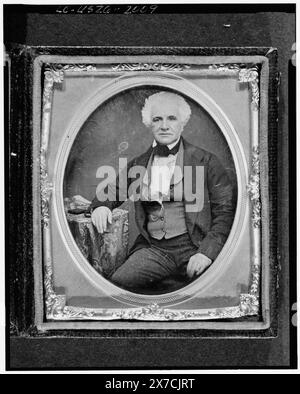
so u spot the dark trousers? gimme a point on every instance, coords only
(146, 269)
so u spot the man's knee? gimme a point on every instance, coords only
(122, 278)
(128, 275)
(139, 270)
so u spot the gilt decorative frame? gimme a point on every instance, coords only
(252, 71)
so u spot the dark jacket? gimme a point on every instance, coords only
(209, 227)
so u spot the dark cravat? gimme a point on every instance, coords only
(164, 151)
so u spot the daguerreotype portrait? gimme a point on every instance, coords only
(179, 227)
(152, 190)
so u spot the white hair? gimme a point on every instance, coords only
(183, 107)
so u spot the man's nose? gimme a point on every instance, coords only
(164, 124)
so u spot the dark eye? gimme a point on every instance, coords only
(156, 119)
(172, 117)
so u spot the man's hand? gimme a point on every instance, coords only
(101, 216)
(197, 264)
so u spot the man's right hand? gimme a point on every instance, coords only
(101, 216)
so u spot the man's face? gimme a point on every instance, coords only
(166, 123)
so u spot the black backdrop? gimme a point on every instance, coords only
(199, 26)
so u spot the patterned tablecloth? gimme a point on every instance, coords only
(105, 252)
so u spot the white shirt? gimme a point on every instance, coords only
(162, 170)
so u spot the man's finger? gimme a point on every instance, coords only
(96, 222)
(190, 268)
(99, 225)
(110, 217)
(199, 269)
(103, 223)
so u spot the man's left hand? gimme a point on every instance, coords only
(197, 264)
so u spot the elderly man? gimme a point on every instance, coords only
(184, 211)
